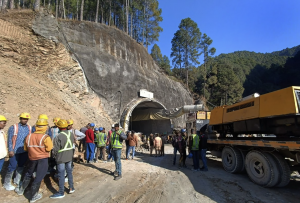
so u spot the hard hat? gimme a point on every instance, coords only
(183, 130)
(55, 120)
(92, 124)
(70, 122)
(113, 125)
(2, 118)
(43, 116)
(100, 129)
(25, 115)
(41, 121)
(62, 123)
(96, 129)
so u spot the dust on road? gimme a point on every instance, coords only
(155, 180)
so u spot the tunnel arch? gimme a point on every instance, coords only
(129, 109)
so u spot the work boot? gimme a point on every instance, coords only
(118, 177)
(19, 172)
(7, 181)
(35, 192)
(116, 173)
(20, 189)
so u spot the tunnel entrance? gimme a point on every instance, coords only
(141, 121)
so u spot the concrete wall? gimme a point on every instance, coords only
(115, 65)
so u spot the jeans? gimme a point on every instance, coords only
(1, 163)
(61, 175)
(127, 149)
(101, 150)
(175, 153)
(195, 158)
(40, 166)
(17, 160)
(110, 156)
(133, 151)
(90, 151)
(117, 155)
(203, 157)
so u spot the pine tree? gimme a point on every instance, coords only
(206, 41)
(186, 46)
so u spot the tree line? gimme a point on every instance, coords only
(138, 18)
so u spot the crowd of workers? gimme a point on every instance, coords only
(42, 148)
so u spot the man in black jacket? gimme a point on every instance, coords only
(203, 148)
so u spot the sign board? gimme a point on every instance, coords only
(146, 94)
(208, 115)
(201, 115)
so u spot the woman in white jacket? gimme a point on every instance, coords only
(3, 150)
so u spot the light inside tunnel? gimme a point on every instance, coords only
(143, 119)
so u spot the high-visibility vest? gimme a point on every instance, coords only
(69, 144)
(195, 145)
(100, 139)
(16, 130)
(115, 140)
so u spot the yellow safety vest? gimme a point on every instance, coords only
(115, 140)
(195, 142)
(100, 139)
(69, 142)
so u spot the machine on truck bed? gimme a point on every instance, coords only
(260, 134)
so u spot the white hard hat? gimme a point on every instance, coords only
(113, 125)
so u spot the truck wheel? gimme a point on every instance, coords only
(284, 169)
(232, 160)
(261, 168)
(243, 153)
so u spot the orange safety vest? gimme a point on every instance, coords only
(35, 146)
(16, 130)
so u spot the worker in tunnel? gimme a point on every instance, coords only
(203, 148)
(175, 145)
(182, 148)
(116, 141)
(151, 143)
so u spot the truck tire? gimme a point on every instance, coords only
(243, 153)
(262, 169)
(232, 160)
(284, 169)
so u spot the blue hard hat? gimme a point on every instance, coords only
(92, 124)
(100, 129)
(96, 129)
(183, 130)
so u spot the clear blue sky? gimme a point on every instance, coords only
(235, 25)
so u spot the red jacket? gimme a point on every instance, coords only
(89, 138)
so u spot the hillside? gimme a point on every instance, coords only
(251, 66)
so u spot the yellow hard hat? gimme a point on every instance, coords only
(25, 115)
(2, 118)
(41, 121)
(62, 123)
(55, 120)
(43, 116)
(70, 122)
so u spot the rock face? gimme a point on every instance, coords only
(115, 65)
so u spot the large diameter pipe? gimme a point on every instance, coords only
(192, 108)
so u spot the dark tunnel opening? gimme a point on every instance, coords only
(140, 122)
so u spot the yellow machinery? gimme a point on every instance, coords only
(273, 113)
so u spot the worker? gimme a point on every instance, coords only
(17, 155)
(101, 144)
(128, 133)
(63, 153)
(110, 156)
(157, 145)
(3, 150)
(194, 148)
(164, 141)
(182, 148)
(116, 141)
(76, 133)
(175, 145)
(38, 145)
(151, 143)
(133, 143)
(82, 145)
(54, 128)
(90, 146)
(203, 148)
(43, 116)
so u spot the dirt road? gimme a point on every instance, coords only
(155, 180)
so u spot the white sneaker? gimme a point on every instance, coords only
(9, 187)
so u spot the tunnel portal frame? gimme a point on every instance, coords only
(125, 118)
